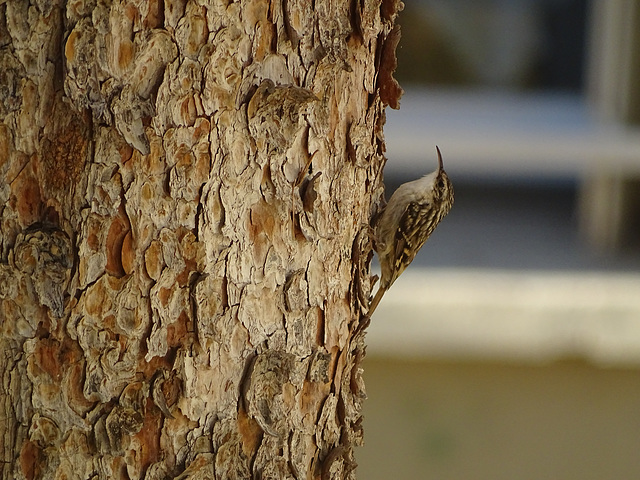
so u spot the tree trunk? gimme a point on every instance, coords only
(185, 202)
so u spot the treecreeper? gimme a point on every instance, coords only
(414, 211)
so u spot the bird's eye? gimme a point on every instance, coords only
(441, 184)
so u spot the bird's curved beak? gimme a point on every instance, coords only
(440, 166)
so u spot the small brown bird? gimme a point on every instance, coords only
(412, 214)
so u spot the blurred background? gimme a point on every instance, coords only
(510, 349)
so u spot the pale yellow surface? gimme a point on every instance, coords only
(482, 420)
(526, 316)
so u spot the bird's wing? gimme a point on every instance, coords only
(408, 236)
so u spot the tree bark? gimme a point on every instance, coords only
(187, 188)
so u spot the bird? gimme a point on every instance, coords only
(413, 212)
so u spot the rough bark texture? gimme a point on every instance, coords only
(186, 194)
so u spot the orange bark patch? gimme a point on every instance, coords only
(155, 14)
(114, 244)
(177, 332)
(188, 110)
(30, 460)
(131, 12)
(262, 220)
(4, 145)
(171, 389)
(264, 39)
(126, 153)
(74, 384)
(390, 90)
(201, 129)
(96, 300)
(250, 432)
(149, 438)
(164, 294)
(183, 278)
(192, 252)
(146, 192)
(312, 395)
(47, 355)
(26, 197)
(93, 241)
(154, 260)
(70, 46)
(125, 55)
(128, 253)
(148, 369)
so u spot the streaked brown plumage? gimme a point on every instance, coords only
(412, 214)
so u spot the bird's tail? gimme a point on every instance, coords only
(376, 300)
